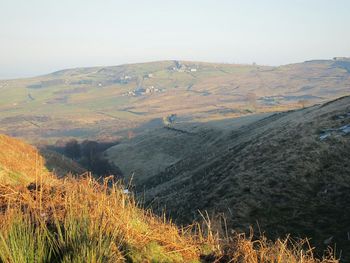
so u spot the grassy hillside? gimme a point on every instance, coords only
(81, 220)
(106, 102)
(19, 162)
(289, 171)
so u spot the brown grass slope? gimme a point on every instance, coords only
(19, 162)
(81, 220)
(275, 171)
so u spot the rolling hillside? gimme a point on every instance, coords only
(105, 103)
(288, 171)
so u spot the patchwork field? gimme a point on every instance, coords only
(107, 102)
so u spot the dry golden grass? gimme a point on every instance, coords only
(82, 220)
(106, 206)
(141, 235)
(20, 162)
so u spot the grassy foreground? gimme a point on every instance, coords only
(45, 219)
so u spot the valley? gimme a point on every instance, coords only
(251, 146)
(175, 131)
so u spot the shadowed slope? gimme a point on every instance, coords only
(289, 172)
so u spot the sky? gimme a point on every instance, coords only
(41, 36)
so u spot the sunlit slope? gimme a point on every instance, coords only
(20, 163)
(45, 219)
(106, 102)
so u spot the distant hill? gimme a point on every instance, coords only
(105, 103)
(287, 171)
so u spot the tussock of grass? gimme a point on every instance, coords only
(22, 241)
(82, 220)
(240, 248)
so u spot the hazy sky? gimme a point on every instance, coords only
(40, 36)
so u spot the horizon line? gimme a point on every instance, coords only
(169, 60)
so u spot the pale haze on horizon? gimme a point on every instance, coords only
(41, 36)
